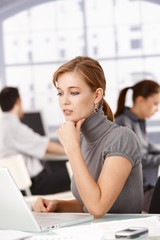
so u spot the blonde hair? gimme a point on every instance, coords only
(93, 75)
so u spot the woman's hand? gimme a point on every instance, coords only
(44, 205)
(69, 134)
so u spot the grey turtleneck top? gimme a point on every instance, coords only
(100, 139)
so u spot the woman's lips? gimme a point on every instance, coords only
(67, 112)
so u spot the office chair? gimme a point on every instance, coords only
(155, 201)
(69, 169)
(16, 166)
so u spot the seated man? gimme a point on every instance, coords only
(16, 137)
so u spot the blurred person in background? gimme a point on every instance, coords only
(146, 99)
(18, 138)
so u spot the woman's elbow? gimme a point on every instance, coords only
(97, 212)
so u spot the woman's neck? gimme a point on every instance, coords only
(137, 111)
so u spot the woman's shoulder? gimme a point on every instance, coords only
(123, 136)
(120, 130)
(124, 142)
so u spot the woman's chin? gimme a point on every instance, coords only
(67, 118)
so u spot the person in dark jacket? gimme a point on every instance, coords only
(146, 99)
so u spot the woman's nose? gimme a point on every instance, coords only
(66, 99)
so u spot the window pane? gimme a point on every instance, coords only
(123, 35)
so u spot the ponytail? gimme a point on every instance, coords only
(107, 111)
(121, 101)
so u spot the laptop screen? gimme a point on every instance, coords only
(15, 214)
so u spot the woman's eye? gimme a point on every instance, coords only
(74, 93)
(59, 94)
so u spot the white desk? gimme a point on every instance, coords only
(94, 235)
(99, 230)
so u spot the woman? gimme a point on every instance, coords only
(105, 158)
(146, 99)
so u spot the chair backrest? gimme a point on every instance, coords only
(155, 201)
(16, 166)
(69, 169)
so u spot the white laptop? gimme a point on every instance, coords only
(15, 214)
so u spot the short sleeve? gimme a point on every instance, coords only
(123, 142)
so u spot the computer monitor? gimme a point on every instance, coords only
(35, 121)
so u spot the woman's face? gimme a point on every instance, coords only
(150, 105)
(76, 99)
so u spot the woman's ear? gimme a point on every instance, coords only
(98, 95)
(140, 99)
(18, 101)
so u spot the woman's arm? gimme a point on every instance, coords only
(98, 197)
(45, 205)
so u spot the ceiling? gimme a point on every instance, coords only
(10, 7)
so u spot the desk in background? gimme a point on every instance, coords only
(54, 157)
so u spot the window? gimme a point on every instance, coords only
(39, 39)
(136, 43)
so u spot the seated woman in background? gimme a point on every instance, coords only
(146, 99)
(105, 158)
